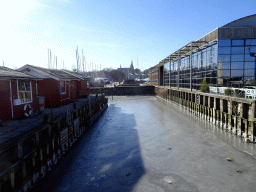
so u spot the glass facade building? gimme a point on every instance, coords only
(204, 64)
(225, 57)
(236, 62)
(226, 62)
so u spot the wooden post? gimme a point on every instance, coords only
(20, 150)
(12, 180)
(229, 127)
(226, 121)
(235, 123)
(252, 118)
(246, 128)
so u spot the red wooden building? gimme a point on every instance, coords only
(82, 84)
(17, 90)
(57, 86)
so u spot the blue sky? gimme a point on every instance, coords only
(110, 32)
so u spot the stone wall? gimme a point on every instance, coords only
(236, 115)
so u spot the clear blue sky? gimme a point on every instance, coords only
(111, 32)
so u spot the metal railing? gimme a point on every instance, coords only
(237, 92)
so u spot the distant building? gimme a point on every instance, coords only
(127, 71)
(131, 67)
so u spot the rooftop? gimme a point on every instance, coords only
(60, 74)
(7, 73)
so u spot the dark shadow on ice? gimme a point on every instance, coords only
(107, 158)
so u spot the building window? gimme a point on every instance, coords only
(224, 58)
(224, 50)
(237, 57)
(249, 65)
(237, 50)
(62, 87)
(249, 72)
(225, 66)
(250, 49)
(237, 65)
(237, 42)
(24, 91)
(250, 41)
(224, 42)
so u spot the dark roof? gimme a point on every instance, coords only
(248, 21)
(62, 75)
(79, 75)
(123, 69)
(7, 73)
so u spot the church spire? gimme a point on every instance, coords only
(131, 67)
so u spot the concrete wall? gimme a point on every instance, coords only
(124, 90)
(236, 115)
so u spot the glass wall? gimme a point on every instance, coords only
(204, 64)
(236, 67)
(166, 74)
(228, 62)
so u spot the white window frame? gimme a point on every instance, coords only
(64, 88)
(21, 103)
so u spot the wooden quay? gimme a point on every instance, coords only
(30, 147)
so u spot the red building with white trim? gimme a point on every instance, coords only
(16, 90)
(57, 86)
(82, 84)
